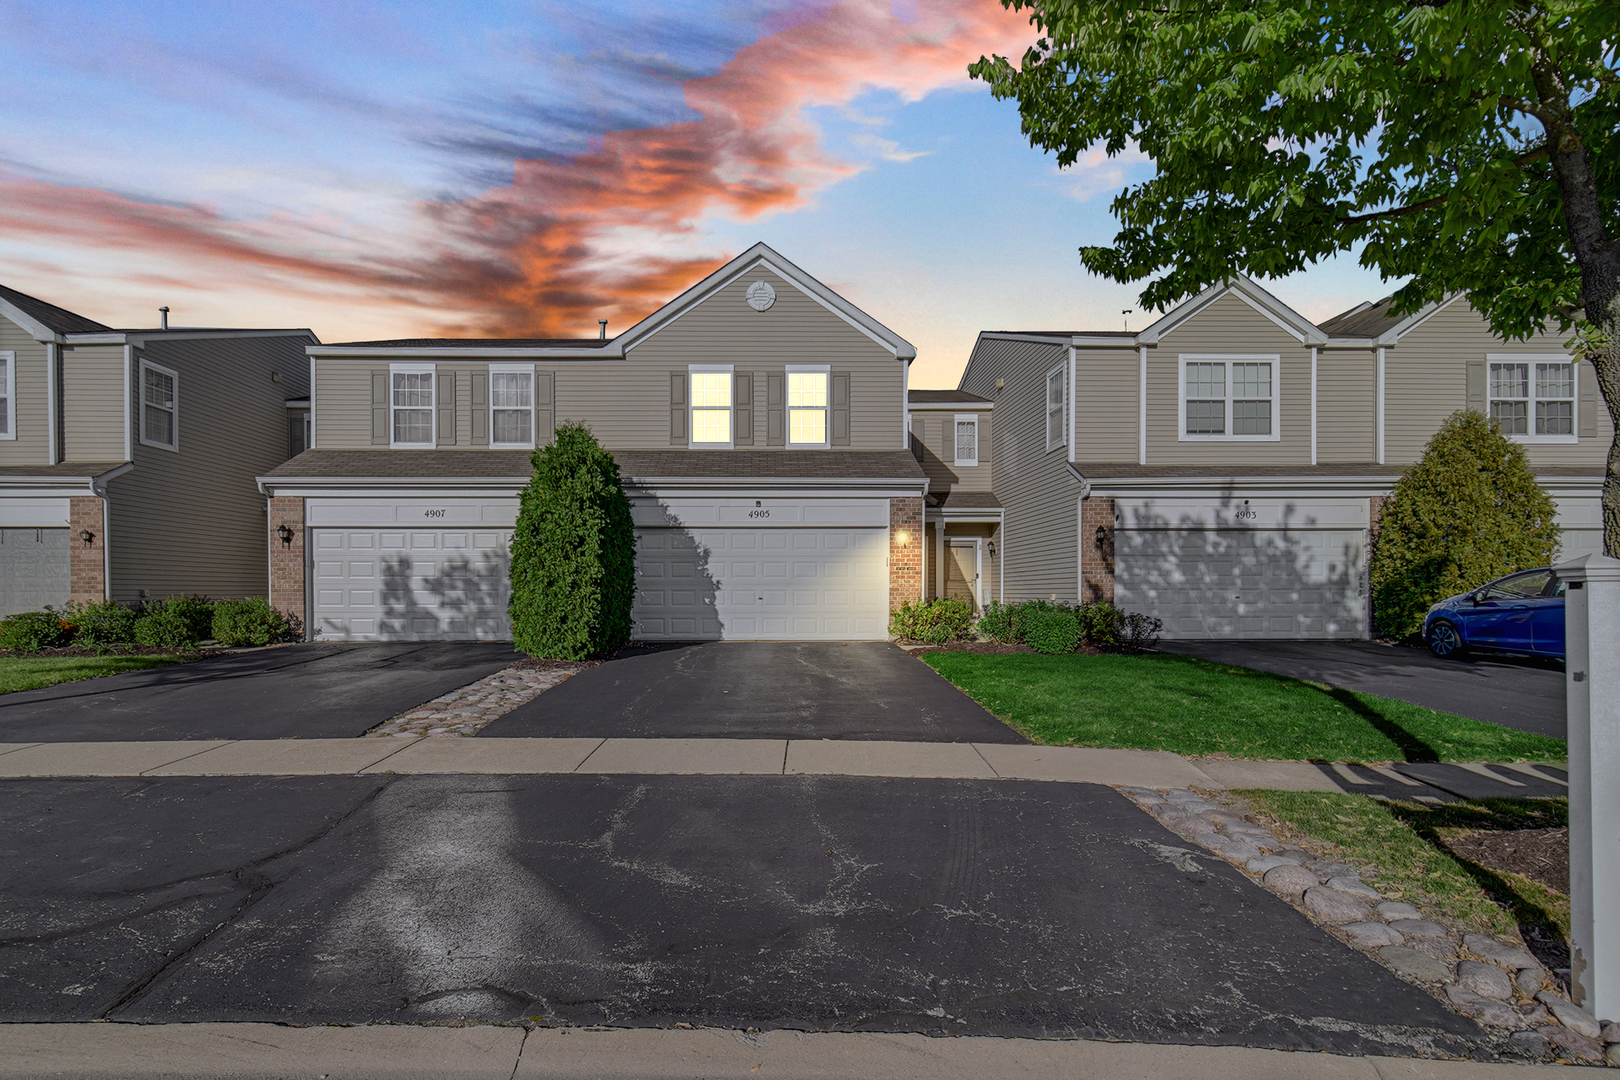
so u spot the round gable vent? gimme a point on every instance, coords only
(761, 295)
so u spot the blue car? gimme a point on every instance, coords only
(1521, 613)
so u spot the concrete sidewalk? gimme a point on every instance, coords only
(761, 757)
(180, 1051)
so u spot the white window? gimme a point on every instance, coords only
(411, 403)
(1229, 398)
(160, 406)
(1055, 387)
(710, 398)
(511, 406)
(8, 395)
(807, 405)
(1532, 398)
(967, 439)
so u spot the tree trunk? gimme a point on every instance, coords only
(1608, 373)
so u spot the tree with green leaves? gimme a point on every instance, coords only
(1468, 511)
(1468, 145)
(573, 552)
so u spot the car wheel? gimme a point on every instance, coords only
(1444, 640)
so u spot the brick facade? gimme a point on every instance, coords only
(87, 562)
(905, 559)
(287, 560)
(1097, 559)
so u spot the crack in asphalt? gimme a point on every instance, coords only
(259, 885)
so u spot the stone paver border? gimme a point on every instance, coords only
(232, 1051)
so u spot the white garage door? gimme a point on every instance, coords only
(410, 585)
(33, 569)
(773, 584)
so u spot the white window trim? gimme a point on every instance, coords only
(140, 411)
(826, 419)
(691, 406)
(509, 369)
(1061, 407)
(1532, 359)
(433, 406)
(10, 388)
(966, 418)
(1228, 359)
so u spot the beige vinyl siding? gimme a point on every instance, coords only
(93, 402)
(194, 520)
(32, 444)
(343, 401)
(1426, 381)
(723, 329)
(1346, 416)
(1229, 325)
(1107, 404)
(1038, 492)
(933, 442)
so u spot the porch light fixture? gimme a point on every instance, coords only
(87, 536)
(1102, 536)
(285, 533)
(902, 537)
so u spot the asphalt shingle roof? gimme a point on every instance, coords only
(58, 319)
(476, 343)
(1363, 320)
(467, 464)
(925, 397)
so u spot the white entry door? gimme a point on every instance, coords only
(410, 585)
(771, 584)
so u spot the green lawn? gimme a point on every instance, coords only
(1398, 848)
(1161, 702)
(33, 672)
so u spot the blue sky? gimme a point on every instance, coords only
(377, 170)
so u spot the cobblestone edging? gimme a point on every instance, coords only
(1497, 982)
(472, 707)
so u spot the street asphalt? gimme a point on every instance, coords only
(1517, 692)
(946, 907)
(758, 690)
(312, 691)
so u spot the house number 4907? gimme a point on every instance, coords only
(433, 513)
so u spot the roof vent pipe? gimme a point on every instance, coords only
(601, 333)
(163, 316)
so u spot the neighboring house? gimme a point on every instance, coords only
(950, 435)
(1223, 468)
(759, 422)
(127, 457)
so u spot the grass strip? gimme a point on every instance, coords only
(1158, 701)
(1399, 847)
(34, 672)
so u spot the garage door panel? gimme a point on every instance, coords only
(761, 583)
(413, 586)
(1245, 583)
(34, 569)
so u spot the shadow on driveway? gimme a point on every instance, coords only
(1523, 694)
(759, 690)
(312, 691)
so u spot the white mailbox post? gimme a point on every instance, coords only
(1592, 683)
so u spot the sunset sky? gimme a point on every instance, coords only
(501, 168)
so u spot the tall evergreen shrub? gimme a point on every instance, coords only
(1469, 510)
(573, 554)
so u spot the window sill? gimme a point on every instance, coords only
(709, 446)
(173, 448)
(809, 446)
(1544, 440)
(1229, 438)
(413, 446)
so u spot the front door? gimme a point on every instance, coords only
(962, 571)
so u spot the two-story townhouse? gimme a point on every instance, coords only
(128, 457)
(950, 436)
(1223, 468)
(759, 423)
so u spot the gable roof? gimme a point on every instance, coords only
(931, 397)
(1285, 317)
(44, 321)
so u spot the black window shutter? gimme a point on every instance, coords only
(742, 433)
(379, 409)
(775, 413)
(545, 409)
(840, 409)
(446, 390)
(479, 392)
(677, 408)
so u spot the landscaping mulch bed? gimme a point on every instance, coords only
(535, 663)
(1539, 854)
(112, 650)
(987, 648)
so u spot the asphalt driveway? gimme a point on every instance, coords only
(1524, 694)
(759, 690)
(325, 691)
(940, 906)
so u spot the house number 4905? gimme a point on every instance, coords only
(759, 513)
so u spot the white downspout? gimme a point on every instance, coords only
(129, 403)
(53, 431)
(905, 403)
(311, 445)
(1141, 407)
(1380, 424)
(1313, 404)
(1074, 409)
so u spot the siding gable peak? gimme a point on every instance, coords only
(1263, 302)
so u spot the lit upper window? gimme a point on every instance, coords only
(711, 408)
(807, 408)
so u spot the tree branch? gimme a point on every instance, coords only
(1429, 204)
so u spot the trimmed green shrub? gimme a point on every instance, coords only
(35, 630)
(1101, 623)
(247, 622)
(573, 553)
(1468, 511)
(936, 622)
(1052, 631)
(997, 623)
(106, 623)
(178, 622)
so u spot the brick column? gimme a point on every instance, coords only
(1097, 560)
(905, 559)
(87, 562)
(287, 561)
